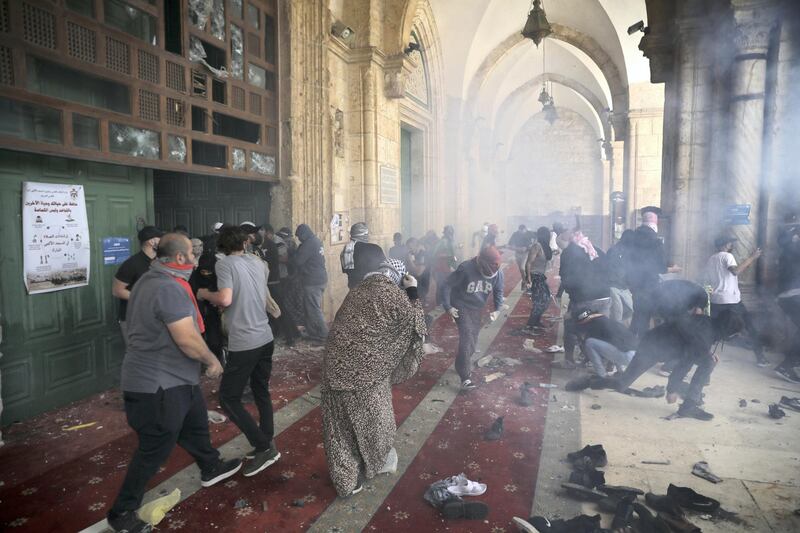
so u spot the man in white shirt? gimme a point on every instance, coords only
(727, 309)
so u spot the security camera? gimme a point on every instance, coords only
(341, 31)
(639, 26)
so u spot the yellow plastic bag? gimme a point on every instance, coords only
(155, 511)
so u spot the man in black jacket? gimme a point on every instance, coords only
(309, 261)
(605, 340)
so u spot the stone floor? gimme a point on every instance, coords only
(757, 457)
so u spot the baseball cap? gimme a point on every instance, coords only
(149, 232)
(248, 227)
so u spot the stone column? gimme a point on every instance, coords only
(751, 42)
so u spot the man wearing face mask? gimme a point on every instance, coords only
(160, 380)
(131, 270)
(359, 232)
(465, 295)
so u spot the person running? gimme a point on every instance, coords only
(727, 309)
(464, 298)
(535, 278)
(244, 295)
(375, 342)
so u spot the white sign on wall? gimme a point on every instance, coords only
(55, 237)
(389, 179)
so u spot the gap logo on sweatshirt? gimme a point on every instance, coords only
(479, 286)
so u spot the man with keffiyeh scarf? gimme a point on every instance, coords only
(161, 379)
(375, 341)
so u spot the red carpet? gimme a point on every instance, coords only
(508, 466)
(73, 483)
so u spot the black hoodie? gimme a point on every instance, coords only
(309, 260)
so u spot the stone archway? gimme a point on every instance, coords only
(615, 80)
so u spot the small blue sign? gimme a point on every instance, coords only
(116, 250)
(737, 215)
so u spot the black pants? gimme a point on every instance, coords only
(791, 306)
(729, 317)
(162, 419)
(284, 325)
(254, 366)
(644, 308)
(469, 326)
(213, 334)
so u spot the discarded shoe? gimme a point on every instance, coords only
(595, 452)
(621, 491)
(525, 395)
(789, 375)
(554, 348)
(791, 403)
(466, 510)
(623, 515)
(776, 412)
(467, 384)
(678, 524)
(465, 487)
(663, 504)
(701, 469)
(589, 478)
(694, 411)
(496, 431)
(689, 499)
(648, 522)
(581, 492)
(524, 526)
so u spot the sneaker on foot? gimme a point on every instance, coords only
(467, 384)
(223, 470)
(261, 461)
(694, 411)
(762, 362)
(128, 522)
(788, 375)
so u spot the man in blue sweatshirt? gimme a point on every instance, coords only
(465, 295)
(309, 263)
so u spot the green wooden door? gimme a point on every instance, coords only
(61, 346)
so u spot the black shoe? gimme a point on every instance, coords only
(525, 396)
(649, 523)
(580, 524)
(791, 403)
(693, 411)
(595, 452)
(789, 375)
(623, 514)
(583, 493)
(261, 461)
(621, 491)
(689, 499)
(776, 412)
(589, 478)
(663, 504)
(466, 510)
(128, 522)
(496, 431)
(223, 470)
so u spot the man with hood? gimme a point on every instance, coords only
(465, 295)
(359, 232)
(491, 236)
(444, 261)
(309, 262)
(375, 342)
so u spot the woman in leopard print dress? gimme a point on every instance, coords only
(375, 341)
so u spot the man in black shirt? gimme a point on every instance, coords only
(605, 340)
(131, 270)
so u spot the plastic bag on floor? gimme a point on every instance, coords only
(155, 511)
(437, 494)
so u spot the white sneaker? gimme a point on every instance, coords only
(465, 487)
(524, 525)
(467, 384)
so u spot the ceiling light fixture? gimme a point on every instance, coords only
(537, 27)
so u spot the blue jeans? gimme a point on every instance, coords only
(599, 351)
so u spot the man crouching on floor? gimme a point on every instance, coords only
(686, 337)
(464, 297)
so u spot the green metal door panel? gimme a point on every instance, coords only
(59, 347)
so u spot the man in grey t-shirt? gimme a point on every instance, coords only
(243, 293)
(160, 380)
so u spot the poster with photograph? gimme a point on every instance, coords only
(55, 237)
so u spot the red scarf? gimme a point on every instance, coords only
(188, 288)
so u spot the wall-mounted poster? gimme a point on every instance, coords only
(55, 237)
